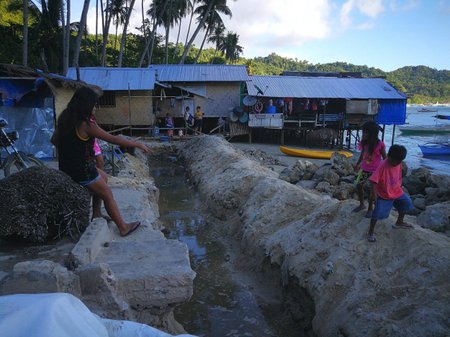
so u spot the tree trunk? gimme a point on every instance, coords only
(201, 47)
(124, 34)
(151, 38)
(176, 44)
(25, 34)
(200, 25)
(190, 23)
(107, 23)
(166, 61)
(96, 31)
(76, 53)
(144, 28)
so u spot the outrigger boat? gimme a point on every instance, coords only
(442, 116)
(310, 153)
(427, 110)
(424, 130)
(435, 149)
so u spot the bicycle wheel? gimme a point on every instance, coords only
(14, 164)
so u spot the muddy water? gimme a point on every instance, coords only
(226, 301)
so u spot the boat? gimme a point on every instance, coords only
(312, 153)
(425, 129)
(427, 110)
(435, 149)
(442, 116)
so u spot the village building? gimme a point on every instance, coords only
(30, 103)
(329, 108)
(127, 98)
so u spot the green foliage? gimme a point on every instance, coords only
(422, 84)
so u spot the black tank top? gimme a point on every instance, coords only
(76, 156)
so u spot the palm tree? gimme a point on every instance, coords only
(217, 37)
(25, 34)
(182, 9)
(219, 6)
(191, 9)
(214, 20)
(177, 9)
(76, 53)
(118, 14)
(230, 47)
(156, 12)
(47, 31)
(124, 33)
(65, 23)
(106, 21)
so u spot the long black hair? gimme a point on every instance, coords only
(371, 129)
(79, 109)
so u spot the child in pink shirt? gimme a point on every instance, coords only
(387, 188)
(373, 151)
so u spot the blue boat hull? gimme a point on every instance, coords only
(435, 150)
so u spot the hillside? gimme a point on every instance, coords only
(422, 84)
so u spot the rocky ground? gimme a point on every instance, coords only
(340, 284)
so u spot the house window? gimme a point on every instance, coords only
(107, 100)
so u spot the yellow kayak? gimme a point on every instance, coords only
(316, 154)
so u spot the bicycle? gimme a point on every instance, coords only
(15, 160)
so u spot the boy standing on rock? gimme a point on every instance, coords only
(387, 189)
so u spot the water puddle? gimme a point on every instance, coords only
(226, 301)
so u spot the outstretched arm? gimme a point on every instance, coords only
(94, 130)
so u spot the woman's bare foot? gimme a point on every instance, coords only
(131, 227)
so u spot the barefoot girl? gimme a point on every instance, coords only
(74, 138)
(373, 151)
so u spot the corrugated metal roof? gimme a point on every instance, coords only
(200, 73)
(109, 78)
(322, 87)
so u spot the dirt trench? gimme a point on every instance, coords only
(334, 281)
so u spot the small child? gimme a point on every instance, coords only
(99, 161)
(387, 188)
(169, 125)
(373, 151)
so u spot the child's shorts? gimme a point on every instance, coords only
(384, 206)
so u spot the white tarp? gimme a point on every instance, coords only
(62, 315)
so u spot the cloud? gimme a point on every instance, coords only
(368, 8)
(282, 25)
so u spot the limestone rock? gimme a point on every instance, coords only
(308, 184)
(331, 177)
(341, 164)
(420, 203)
(436, 217)
(44, 276)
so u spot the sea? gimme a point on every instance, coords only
(414, 157)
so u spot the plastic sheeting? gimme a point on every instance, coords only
(35, 127)
(62, 315)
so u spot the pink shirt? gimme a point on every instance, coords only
(389, 180)
(370, 161)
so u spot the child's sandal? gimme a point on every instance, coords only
(371, 237)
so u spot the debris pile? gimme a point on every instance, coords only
(41, 204)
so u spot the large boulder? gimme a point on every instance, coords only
(41, 203)
(417, 181)
(341, 164)
(436, 217)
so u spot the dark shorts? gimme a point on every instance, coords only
(87, 182)
(198, 123)
(384, 206)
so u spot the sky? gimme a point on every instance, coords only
(385, 34)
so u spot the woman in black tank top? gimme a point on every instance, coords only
(74, 138)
